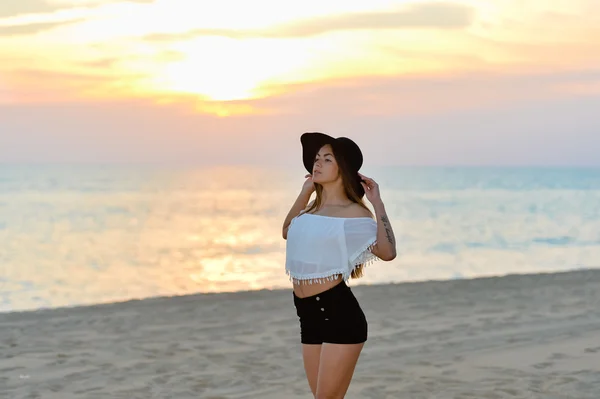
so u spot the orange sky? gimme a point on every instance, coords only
(193, 75)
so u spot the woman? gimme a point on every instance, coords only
(329, 241)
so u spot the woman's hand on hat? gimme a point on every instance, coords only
(371, 189)
(309, 186)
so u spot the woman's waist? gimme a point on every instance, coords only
(318, 287)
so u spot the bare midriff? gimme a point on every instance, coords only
(305, 290)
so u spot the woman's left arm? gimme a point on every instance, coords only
(385, 248)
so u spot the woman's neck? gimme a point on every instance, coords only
(334, 196)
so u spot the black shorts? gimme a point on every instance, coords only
(332, 316)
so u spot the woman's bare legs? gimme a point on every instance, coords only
(336, 368)
(312, 356)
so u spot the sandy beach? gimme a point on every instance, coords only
(519, 336)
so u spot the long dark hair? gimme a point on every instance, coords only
(353, 190)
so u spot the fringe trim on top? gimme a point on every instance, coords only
(365, 258)
(317, 279)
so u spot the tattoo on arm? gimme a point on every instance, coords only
(388, 229)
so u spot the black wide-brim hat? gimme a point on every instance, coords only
(343, 147)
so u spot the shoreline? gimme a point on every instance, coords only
(535, 336)
(592, 270)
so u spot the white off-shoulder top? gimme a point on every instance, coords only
(320, 247)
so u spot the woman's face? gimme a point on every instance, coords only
(325, 168)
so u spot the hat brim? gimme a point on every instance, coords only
(312, 143)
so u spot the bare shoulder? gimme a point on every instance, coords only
(307, 206)
(357, 211)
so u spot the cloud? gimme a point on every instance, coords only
(422, 15)
(36, 86)
(31, 29)
(40, 75)
(12, 8)
(20, 7)
(5, 93)
(559, 132)
(414, 95)
(113, 62)
(103, 63)
(485, 119)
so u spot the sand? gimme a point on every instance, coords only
(519, 336)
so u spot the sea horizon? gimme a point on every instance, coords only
(110, 233)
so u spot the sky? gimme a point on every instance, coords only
(458, 82)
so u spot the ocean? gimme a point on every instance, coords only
(88, 234)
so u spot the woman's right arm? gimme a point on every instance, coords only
(299, 205)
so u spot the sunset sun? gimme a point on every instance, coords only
(225, 69)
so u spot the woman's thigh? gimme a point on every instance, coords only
(336, 368)
(311, 353)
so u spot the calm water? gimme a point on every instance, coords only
(94, 234)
